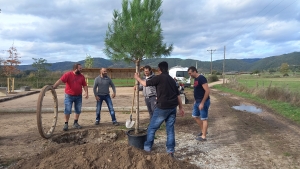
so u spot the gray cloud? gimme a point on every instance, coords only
(66, 30)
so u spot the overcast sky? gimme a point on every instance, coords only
(68, 30)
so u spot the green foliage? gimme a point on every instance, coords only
(284, 68)
(135, 33)
(89, 61)
(212, 78)
(256, 72)
(40, 65)
(285, 75)
(272, 70)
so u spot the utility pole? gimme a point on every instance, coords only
(211, 51)
(224, 66)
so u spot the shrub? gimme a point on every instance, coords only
(285, 75)
(213, 78)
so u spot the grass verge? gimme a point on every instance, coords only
(285, 109)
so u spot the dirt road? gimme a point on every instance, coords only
(236, 139)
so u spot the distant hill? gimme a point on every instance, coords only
(276, 61)
(249, 64)
(251, 60)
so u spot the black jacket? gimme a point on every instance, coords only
(166, 90)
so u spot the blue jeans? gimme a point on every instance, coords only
(203, 114)
(109, 104)
(159, 116)
(69, 100)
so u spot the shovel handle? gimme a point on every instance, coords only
(132, 104)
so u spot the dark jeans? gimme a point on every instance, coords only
(108, 101)
(160, 116)
(151, 104)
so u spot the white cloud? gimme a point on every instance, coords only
(66, 30)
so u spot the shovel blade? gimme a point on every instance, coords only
(129, 123)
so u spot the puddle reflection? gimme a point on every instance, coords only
(251, 109)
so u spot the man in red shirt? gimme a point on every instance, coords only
(74, 81)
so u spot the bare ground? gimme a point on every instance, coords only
(236, 139)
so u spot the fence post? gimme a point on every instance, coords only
(8, 87)
(87, 81)
(13, 84)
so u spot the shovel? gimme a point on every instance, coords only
(129, 123)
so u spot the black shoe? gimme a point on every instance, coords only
(200, 134)
(76, 126)
(201, 139)
(65, 127)
(97, 123)
(116, 123)
(171, 155)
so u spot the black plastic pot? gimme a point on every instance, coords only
(137, 140)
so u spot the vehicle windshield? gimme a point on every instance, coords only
(182, 74)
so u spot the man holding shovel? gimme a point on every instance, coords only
(148, 91)
(168, 98)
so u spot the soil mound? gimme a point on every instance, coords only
(104, 155)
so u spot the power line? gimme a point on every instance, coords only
(257, 15)
(250, 20)
(266, 13)
(276, 14)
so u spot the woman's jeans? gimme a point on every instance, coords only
(108, 101)
(160, 116)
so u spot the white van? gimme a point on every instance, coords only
(181, 74)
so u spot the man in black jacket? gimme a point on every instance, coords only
(168, 98)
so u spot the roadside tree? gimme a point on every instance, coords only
(89, 61)
(135, 34)
(284, 69)
(10, 64)
(9, 68)
(40, 65)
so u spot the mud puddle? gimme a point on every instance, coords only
(247, 108)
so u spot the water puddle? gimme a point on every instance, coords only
(251, 109)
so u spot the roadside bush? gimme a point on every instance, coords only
(285, 75)
(271, 76)
(213, 78)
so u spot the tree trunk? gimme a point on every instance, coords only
(137, 111)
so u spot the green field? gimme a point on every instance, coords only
(117, 82)
(251, 81)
